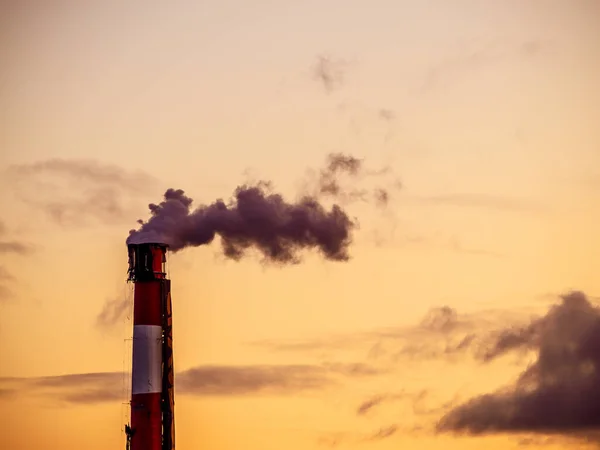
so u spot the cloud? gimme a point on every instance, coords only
(559, 393)
(371, 403)
(442, 333)
(90, 388)
(277, 379)
(70, 191)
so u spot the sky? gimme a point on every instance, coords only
(471, 280)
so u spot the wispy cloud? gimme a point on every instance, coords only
(383, 433)
(89, 388)
(442, 333)
(71, 191)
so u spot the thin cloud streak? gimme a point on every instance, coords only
(91, 388)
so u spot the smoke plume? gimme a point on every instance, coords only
(257, 218)
(559, 393)
(328, 181)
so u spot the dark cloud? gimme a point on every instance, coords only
(113, 312)
(72, 191)
(88, 388)
(329, 72)
(559, 393)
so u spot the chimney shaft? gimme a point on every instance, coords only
(147, 271)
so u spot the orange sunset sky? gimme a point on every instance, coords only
(486, 111)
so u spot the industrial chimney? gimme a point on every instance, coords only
(152, 424)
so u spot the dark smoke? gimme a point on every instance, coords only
(559, 393)
(338, 163)
(254, 218)
(259, 219)
(329, 185)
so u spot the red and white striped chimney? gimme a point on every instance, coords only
(147, 271)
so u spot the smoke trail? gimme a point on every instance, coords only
(328, 181)
(259, 219)
(254, 218)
